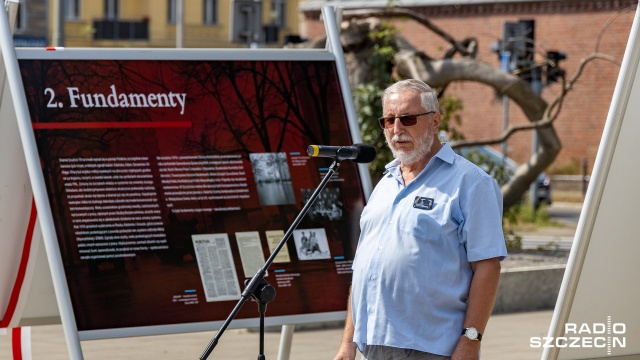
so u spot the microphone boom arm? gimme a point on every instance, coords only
(258, 278)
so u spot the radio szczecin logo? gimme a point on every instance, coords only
(607, 336)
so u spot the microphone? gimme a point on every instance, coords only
(360, 153)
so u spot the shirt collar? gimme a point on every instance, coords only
(445, 154)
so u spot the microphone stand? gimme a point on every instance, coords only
(258, 288)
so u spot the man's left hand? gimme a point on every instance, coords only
(466, 350)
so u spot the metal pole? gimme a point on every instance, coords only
(179, 24)
(11, 7)
(584, 177)
(286, 338)
(12, 11)
(333, 42)
(505, 59)
(536, 86)
(57, 39)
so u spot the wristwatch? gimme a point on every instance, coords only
(472, 334)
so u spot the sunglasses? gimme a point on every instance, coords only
(387, 122)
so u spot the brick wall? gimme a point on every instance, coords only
(572, 27)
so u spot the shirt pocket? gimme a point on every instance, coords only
(421, 224)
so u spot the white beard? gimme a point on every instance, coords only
(421, 149)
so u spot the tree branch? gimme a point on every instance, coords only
(412, 63)
(398, 13)
(551, 112)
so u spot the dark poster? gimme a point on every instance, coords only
(171, 181)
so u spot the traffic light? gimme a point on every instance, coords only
(519, 40)
(552, 68)
(246, 22)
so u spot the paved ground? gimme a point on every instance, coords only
(566, 215)
(506, 338)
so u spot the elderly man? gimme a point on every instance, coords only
(427, 264)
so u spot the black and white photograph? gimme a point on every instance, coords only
(273, 179)
(328, 205)
(311, 244)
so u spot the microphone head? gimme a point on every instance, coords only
(366, 153)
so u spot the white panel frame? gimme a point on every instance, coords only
(10, 55)
(602, 244)
(39, 190)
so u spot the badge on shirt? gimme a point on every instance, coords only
(423, 203)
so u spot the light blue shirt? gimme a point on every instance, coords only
(411, 272)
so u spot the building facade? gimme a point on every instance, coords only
(30, 28)
(155, 23)
(577, 28)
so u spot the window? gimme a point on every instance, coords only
(120, 30)
(72, 11)
(21, 18)
(171, 11)
(279, 13)
(111, 9)
(210, 13)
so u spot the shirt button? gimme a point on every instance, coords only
(370, 310)
(372, 277)
(379, 247)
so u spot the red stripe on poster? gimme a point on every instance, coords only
(113, 125)
(22, 269)
(16, 343)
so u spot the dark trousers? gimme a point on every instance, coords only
(376, 352)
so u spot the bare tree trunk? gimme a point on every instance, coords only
(438, 73)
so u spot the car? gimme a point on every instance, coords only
(502, 169)
(543, 190)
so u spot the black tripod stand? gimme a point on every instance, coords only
(258, 288)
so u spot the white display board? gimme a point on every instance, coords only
(597, 314)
